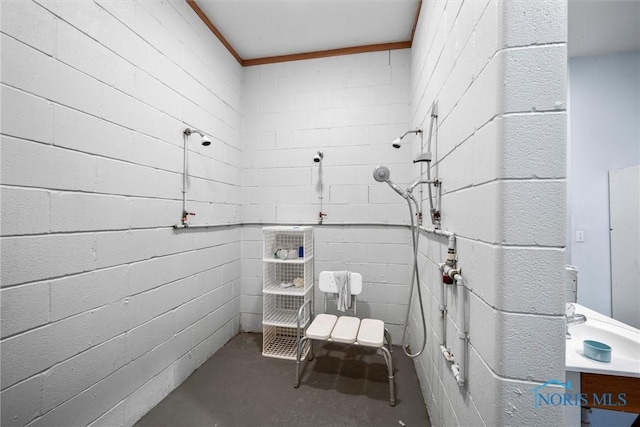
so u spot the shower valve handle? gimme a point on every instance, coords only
(185, 215)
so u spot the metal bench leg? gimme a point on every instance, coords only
(389, 361)
(387, 337)
(311, 355)
(298, 356)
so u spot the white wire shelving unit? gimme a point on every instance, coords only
(287, 286)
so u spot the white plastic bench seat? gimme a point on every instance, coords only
(346, 330)
(371, 333)
(321, 327)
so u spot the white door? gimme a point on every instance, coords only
(624, 220)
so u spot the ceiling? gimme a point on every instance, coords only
(273, 28)
(602, 27)
(263, 31)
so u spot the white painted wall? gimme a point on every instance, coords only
(105, 308)
(381, 254)
(350, 108)
(605, 135)
(497, 70)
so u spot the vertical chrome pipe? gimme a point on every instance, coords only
(185, 161)
(462, 333)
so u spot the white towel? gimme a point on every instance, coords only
(343, 283)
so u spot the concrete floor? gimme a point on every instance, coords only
(342, 386)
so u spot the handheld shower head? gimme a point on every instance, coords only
(382, 174)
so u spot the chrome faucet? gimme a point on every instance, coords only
(573, 319)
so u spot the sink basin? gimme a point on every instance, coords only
(623, 339)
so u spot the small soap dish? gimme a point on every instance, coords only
(597, 351)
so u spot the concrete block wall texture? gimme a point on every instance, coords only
(497, 71)
(350, 108)
(106, 308)
(380, 254)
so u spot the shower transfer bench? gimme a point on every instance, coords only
(346, 329)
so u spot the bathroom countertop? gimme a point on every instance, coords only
(624, 340)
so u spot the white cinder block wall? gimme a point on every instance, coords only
(105, 308)
(350, 108)
(497, 70)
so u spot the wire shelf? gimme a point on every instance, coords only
(288, 243)
(282, 310)
(282, 343)
(278, 290)
(287, 278)
(282, 318)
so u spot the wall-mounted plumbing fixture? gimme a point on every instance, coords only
(318, 159)
(451, 274)
(382, 174)
(434, 209)
(424, 157)
(397, 142)
(205, 141)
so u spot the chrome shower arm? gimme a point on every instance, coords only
(416, 131)
(188, 132)
(419, 181)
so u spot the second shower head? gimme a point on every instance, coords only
(206, 141)
(318, 157)
(397, 142)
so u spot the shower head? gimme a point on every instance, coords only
(382, 174)
(396, 142)
(206, 141)
(318, 157)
